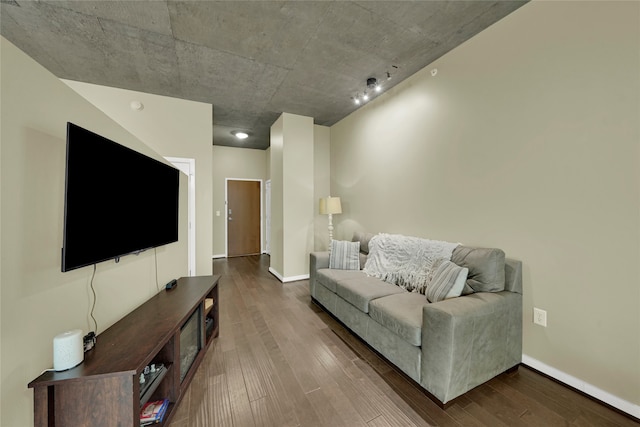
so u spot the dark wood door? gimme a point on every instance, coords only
(243, 217)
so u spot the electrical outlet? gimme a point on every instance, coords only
(540, 317)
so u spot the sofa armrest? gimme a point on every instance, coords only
(317, 260)
(469, 340)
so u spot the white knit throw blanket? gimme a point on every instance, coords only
(405, 261)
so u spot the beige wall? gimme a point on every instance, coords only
(37, 300)
(321, 177)
(292, 194)
(276, 262)
(268, 167)
(238, 163)
(298, 194)
(174, 128)
(527, 139)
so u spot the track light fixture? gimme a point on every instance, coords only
(371, 86)
(372, 83)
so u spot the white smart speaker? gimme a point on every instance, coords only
(68, 350)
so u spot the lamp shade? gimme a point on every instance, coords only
(330, 205)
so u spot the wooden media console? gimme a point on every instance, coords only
(171, 331)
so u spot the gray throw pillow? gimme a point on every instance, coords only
(344, 255)
(447, 282)
(486, 268)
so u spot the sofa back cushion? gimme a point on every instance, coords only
(486, 268)
(364, 239)
(363, 260)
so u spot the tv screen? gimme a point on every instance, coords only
(117, 201)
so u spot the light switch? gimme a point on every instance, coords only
(217, 213)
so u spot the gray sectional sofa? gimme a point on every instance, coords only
(447, 347)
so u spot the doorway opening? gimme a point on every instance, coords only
(188, 167)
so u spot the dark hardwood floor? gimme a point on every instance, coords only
(282, 361)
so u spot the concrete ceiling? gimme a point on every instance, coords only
(252, 60)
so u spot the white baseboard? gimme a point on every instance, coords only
(275, 273)
(296, 278)
(288, 279)
(225, 255)
(593, 391)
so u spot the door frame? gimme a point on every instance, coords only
(267, 218)
(226, 213)
(191, 207)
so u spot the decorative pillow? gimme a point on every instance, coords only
(447, 282)
(344, 255)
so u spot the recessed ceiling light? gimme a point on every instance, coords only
(240, 135)
(136, 105)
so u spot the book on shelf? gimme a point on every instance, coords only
(153, 412)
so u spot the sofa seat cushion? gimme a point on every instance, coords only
(359, 292)
(402, 314)
(329, 277)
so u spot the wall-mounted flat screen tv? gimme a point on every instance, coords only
(117, 200)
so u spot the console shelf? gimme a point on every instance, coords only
(105, 389)
(151, 384)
